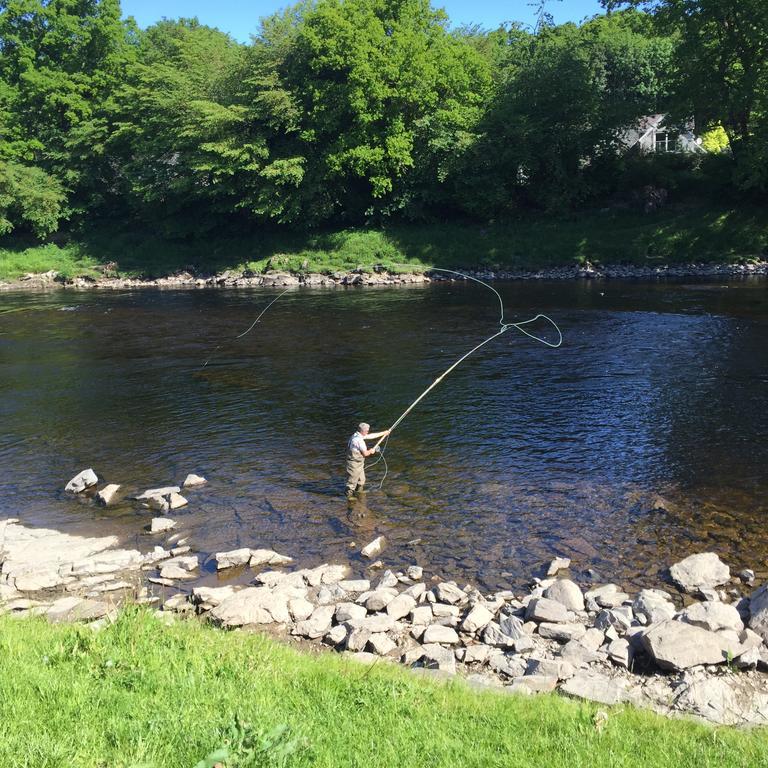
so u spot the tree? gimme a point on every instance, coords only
(29, 199)
(721, 71)
(388, 99)
(59, 59)
(552, 136)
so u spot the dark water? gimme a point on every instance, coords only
(523, 453)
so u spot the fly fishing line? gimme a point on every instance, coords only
(520, 326)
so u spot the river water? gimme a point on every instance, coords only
(523, 453)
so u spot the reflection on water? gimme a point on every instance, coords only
(521, 454)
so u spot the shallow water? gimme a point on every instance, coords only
(521, 454)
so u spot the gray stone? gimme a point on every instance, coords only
(593, 686)
(348, 611)
(192, 481)
(558, 668)
(387, 580)
(534, 683)
(212, 596)
(434, 656)
(653, 605)
(620, 652)
(401, 606)
(475, 654)
(379, 622)
(566, 592)
(161, 525)
(158, 504)
(328, 594)
(176, 501)
(563, 633)
(414, 572)
(434, 633)
(107, 494)
(712, 616)
(441, 610)
(422, 615)
(174, 571)
(558, 564)
(318, 624)
(154, 493)
(612, 618)
(478, 618)
(381, 644)
(82, 480)
(575, 653)
(543, 609)
(374, 548)
(758, 609)
(301, 609)
(675, 645)
(356, 586)
(336, 635)
(357, 639)
(492, 635)
(607, 596)
(448, 592)
(248, 606)
(704, 570)
(260, 557)
(379, 599)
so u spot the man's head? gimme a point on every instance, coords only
(363, 428)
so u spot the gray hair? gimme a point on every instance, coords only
(362, 427)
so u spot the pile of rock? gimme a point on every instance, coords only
(588, 645)
(380, 276)
(163, 500)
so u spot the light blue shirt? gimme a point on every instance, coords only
(357, 444)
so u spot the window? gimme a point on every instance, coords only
(666, 141)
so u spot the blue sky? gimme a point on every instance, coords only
(241, 19)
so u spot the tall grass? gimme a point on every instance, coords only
(143, 694)
(667, 237)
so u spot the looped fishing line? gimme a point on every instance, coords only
(247, 330)
(504, 328)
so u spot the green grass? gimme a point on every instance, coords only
(672, 236)
(142, 694)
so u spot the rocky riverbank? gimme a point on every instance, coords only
(697, 647)
(379, 277)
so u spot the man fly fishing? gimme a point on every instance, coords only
(357, 452)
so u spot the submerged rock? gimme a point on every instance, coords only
(157, 492)
(233, 558)
(107, 494)
(374, 548)
(82, 480)
(192, 481)
(161, 525)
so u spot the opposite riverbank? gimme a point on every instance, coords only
(683, 240)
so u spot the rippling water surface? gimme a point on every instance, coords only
(521, 454)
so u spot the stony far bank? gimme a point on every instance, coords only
(697, 646)
(380, 276)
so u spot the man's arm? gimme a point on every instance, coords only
(375, 435)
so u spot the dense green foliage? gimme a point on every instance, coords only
(367, 112)
(142, 694)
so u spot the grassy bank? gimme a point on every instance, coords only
(142, 694)
(668, 237)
